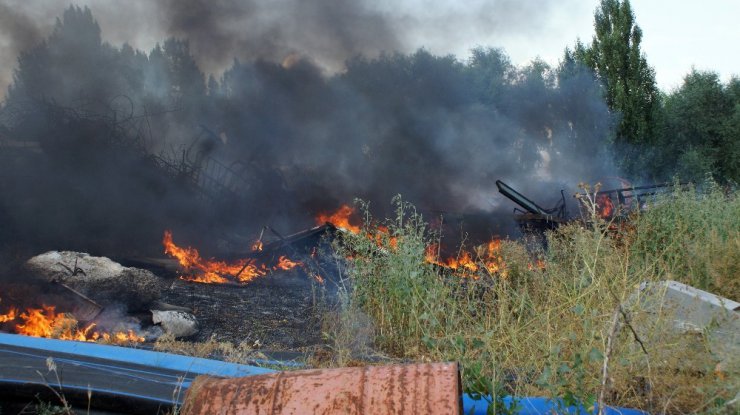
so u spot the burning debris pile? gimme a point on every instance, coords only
(95, 299)
(106, 163)
(263, 260)
(46, 322)
(465, 263)
(213, 271)
(619, 203)
(135, 148)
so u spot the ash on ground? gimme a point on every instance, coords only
(280, 311)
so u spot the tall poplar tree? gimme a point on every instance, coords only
(629, 82)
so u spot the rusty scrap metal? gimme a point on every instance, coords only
(534, 218)
(630, 198)
(529, 206)
(88, 310)
(431, 388)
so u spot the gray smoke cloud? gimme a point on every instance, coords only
(315, 132)
(325, 31)
(328, 31)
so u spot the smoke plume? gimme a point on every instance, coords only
(343, 116)
(327, 31)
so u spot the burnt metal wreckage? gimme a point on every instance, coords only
(534, 218)
(614, 204)
(618, 203)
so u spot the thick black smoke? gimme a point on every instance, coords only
(119, 130)
(327, 31)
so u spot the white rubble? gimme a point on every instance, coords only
(692, 311)
(176, 323)
(99, 278)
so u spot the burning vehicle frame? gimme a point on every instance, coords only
(534, 218)
(614, 204)
(618, 203)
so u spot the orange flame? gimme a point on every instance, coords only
(539, 264)
(9, 316)
(340, 219)
(257, 246)
(286, 264)
(211, 271)
(46, 322)
(384, 231)
(465, 264)
(492, 259)
(605, 206)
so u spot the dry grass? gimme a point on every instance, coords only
(544, 331)
(242, 353)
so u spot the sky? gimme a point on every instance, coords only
(678, 34)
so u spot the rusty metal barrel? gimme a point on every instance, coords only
(432, 388)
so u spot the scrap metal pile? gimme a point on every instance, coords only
(610, 205)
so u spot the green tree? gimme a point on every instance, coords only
(702, 128)
(629, 82)
(187, 82)
(73, 67)
(729, 152)
(491, 72)
(581, 108)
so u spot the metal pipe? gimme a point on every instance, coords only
(519, 199)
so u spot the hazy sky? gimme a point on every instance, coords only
(677, 34)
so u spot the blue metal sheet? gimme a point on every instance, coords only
(538, 406)
(185, 364)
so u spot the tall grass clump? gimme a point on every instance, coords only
(692, 236)
(391, 282)
(565, 322)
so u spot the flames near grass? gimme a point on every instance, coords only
(211, 271)
(486, 257)
(466, 264)
(46, 322)
(340, 219)
(543, 329)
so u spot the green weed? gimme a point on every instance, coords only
(559, 322)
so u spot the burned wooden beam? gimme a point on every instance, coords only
(301, 236)
(534, 218)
